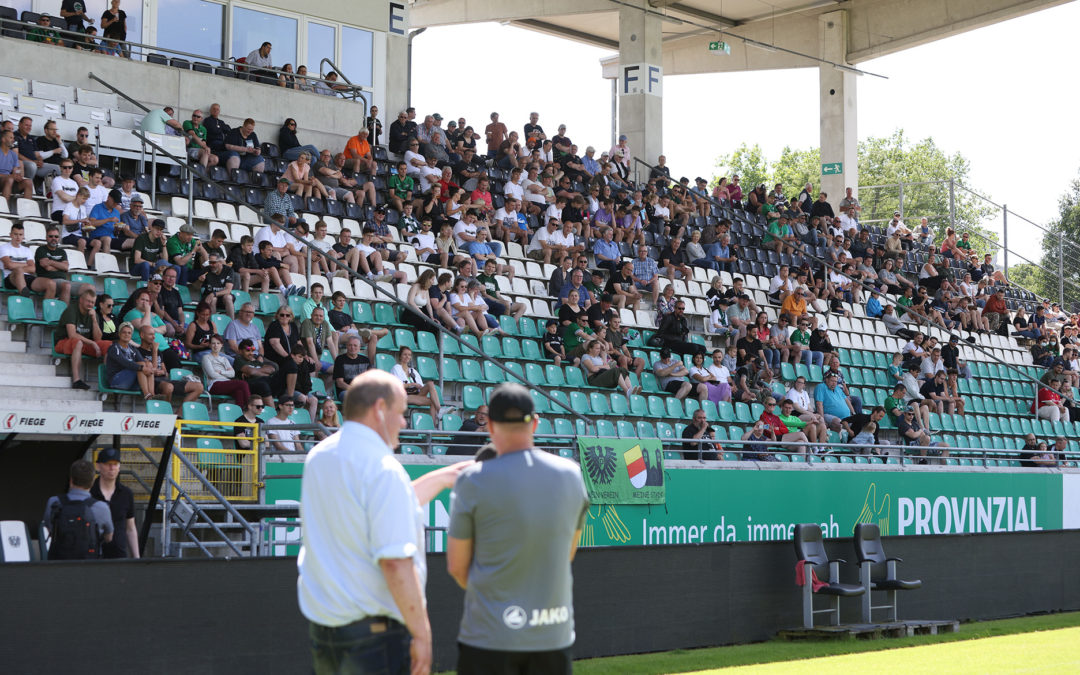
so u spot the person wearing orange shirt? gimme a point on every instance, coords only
(358, 156)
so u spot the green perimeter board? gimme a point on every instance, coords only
(709, 505)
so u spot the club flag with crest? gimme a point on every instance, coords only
(623, 471)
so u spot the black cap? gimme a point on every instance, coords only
(109, 454)
(116, 196)
(510, 403)
(552, 322)
(606, 297)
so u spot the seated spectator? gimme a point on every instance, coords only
(472, 433)
(933, 391)
(329, 417)
(221, 375)
(716, 378)
(666, 304)
(150, 348)
(198, 149)
(251, 415)
(18, 267)
(738, 315)
(601, 371)
(301, 180)
(497, 303)
(781, 432)
(1049, 404)
(671, 375)
(699, 429)
(771, 348)
(912, 434)
(646, 273)
(552, 341)
(280, 438)
(133, 222)
(995, 311)
(290, 145)
(148, 250)
(242, 148)
(757, 438)
(44, 32)
(865, 439)
(349, 364)
(252, 368)
(125, 367)
(831, 402)
(198, 332)
(674, 259)
(417, 391)
(606, 251)
(674, 331)
(11, 168)
(77, 331)
(359, 157)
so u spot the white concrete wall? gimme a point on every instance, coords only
(322, 121)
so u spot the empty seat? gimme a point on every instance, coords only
(810, 551)
(878, 572)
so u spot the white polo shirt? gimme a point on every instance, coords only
(358, 507)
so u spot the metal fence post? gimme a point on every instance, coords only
(1061, 268)
(952, 203)
(901, 207)
(1005, 237)
(191, 196)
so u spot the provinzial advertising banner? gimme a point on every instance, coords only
(622, 471)
(718, 505)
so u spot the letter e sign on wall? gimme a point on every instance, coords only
(397, 24)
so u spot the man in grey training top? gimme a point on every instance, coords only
(515, 521)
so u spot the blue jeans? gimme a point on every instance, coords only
(355, 649)
(124, 379)
(145, 269)
(293, 153)
(812, 358)
(772, 356)
(856, 402)
(708, 264)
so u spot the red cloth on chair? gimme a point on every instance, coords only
(800, 576)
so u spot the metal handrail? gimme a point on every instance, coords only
(869, 287)
(117, 91)
(147, 49)
(355, 91)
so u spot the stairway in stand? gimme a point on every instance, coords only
(30, 382)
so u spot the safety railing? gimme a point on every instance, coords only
(232, 470)
(886, 299)
(145, 52)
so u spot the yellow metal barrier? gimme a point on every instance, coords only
(212, 447)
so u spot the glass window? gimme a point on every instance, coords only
(193, 26)
(251, 28)
(356, 49)
(320, 45)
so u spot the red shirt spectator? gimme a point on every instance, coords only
(778, 427)
(1045, 395)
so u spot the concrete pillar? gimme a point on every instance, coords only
(839, 105)
(396, 82)
(640, 83)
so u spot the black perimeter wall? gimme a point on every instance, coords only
(241, 616)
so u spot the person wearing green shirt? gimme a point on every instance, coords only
(496, 302)
(903, 301)
(894, 405)
(44, 32)
(401, 187)
(769, 210)
(577, 335)
(182, 249)
(197, 148)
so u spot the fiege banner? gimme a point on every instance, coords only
(80, 424)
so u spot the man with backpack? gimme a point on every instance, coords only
(78, 524)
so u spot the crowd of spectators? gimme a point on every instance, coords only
(579, 212)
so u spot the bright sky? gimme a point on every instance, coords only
(988, 94)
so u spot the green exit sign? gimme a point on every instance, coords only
(832, 169)
(719, 47)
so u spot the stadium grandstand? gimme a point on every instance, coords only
(231, 250)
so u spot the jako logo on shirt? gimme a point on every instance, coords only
(546, 617)
(515, 617)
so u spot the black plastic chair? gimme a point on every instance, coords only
(10, 18)
(254, 198)
(144, 182)
(219, 174)
(335, 208)
(878, 572)
(200, 67)
(315, 205)
(167, 186)
(238, 176)
(159, 59)
(810, 548)
(270, 151)
(224, 71)
(182, 64)
(353, 211)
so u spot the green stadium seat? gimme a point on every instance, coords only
(528, 328)
(51, 309)
(540, 402)
(564, 427)
(787, 371)
(726, 411)
(492, 346)
(472, 397)
(562, 398)
(599, 403)
(755, 411)
(664, 431)
(816, 374)
(649, 385)
(421, 422)
(228, 412)
(606, 429)
(847, 459)
(515, 368)
(530, 349)
(690, 406)
(645, 430)
(675, 409)
(21, 310)
(554, 375)
(385, 314)
(117, 289)
(492, 373)
(657, 408)
(384, 362)
(534, 372)
(472, 371)
(579, 401)
(411, 450)
(783, 458)
(240, 298)
(543, 427)
(619, 405)
(508, 324)
(576, 378)
(625, 429)
(269, 303)
(426, 343)
(452, 371)
(638, 405)
(711, 414)
(511, 348)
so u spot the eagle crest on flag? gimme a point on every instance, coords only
(600, 463)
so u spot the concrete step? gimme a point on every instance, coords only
(27, 372)
(66, 404)
(12, 347)
(10, 378)
(19, 358)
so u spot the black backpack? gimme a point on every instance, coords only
(74, 532)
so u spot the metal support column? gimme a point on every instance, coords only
(952, 203)
(901, 209)
(191, 197)
(1005, 238)
(1061, 268)
(614, 111)
(159, 480)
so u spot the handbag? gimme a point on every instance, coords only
(655, 341)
